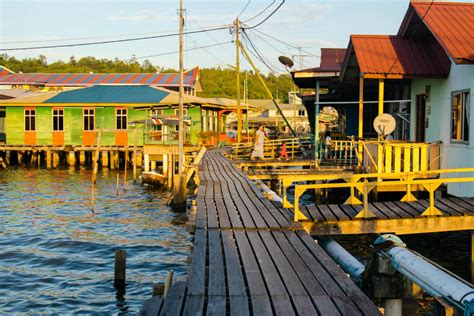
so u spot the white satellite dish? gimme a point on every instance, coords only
(384, 124)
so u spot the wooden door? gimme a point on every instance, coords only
(420, 118)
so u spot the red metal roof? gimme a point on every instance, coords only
(331, 60)
(69, 79)
(392, 55)
(5, 71)
(451, 23)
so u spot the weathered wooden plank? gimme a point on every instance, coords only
(197, 268)
(466, 206)
(393, 210)
(374, 210)
(151, 307)
(216, 305)
(312, 212)
(194, 305)
(336, 210)
(454, 206)
(173, 303)
(407, 208)
(335, 272)
(295, 288)
(346, 306)
(224, 221)
(216, 273)
(443, 208)
(322, 276)
(258, 292)
(366, 306)
(325, 305)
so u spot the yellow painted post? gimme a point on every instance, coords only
(388, 158)
(409, 197)
(381, 95)
(432, 210)
(406, 159)
(380, 166)
(416, 158)
(398, 159)
(298, 215)
(361, 107)
(285, 185)
(353, 200)
(424, 157)
(365, 187)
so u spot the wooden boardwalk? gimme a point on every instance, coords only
(249, 258)
(391, 217)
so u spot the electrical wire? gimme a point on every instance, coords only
(177, 51)
(210, 35)
(268, 16)
(117, 41)
(245, 8)
(261, 12)
(288, 44)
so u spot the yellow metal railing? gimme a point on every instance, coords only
(404, 179)
(270, 148)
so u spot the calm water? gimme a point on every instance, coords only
(56, 256)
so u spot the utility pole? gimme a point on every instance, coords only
(237, 69)
(179, 199)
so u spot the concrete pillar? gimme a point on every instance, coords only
(105, 159)
(82, 158)
(153, 165)
(71, 158)
(48, 159)
(393, 307)
(147, 163)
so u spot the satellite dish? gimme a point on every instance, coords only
(384, 124)
(286, 61)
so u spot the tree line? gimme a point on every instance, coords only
(216, 81)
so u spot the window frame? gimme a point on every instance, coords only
(31, 117)
(57, 116)
(122, 115)
(465, 111)
(84, 119)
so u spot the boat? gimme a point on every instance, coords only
(153, 178)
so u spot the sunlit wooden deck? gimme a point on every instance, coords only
(250, 258)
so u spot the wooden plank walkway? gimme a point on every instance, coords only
(249, 258)
(391, 217)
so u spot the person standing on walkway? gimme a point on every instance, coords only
(259, 141)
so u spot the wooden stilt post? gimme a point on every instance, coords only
(82, 157)
(105, 159)
(120, 270)
(146, 163)
(48, 158)
(112, 160)
(165, 164)
(55, 159)
(170, 171)
(153, 165)
(71, 158)
(135, 142)
(7, 157)
(125, 169)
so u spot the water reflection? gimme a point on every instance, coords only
(56, 256)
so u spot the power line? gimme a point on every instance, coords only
(210, 35)
(117, 41)
(268, 16)
(288, 44)
(261, 12)
(245, 8)
(259, 56)
(177, 51)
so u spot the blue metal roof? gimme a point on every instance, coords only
(110, 94)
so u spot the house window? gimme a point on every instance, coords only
(58, 120)
(301, 113)
(121, 119)
(89, 119)
(30, 120)
(460, 116)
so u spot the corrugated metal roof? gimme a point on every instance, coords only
(110, 94)
(392, 55)
(5, 71)
(75, 79)
(451, 23)
(331, 61)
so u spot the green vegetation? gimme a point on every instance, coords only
(216, 82)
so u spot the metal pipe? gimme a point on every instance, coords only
(432, 278)
(348, 262)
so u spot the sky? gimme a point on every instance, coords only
(299, 23)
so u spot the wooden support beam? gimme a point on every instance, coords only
(71, 158)
(112, 160)
(48, 159)
(82, 158)
(105, 159)
(147, 163)
(381, 95)
(403, 226)
(361, 107)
